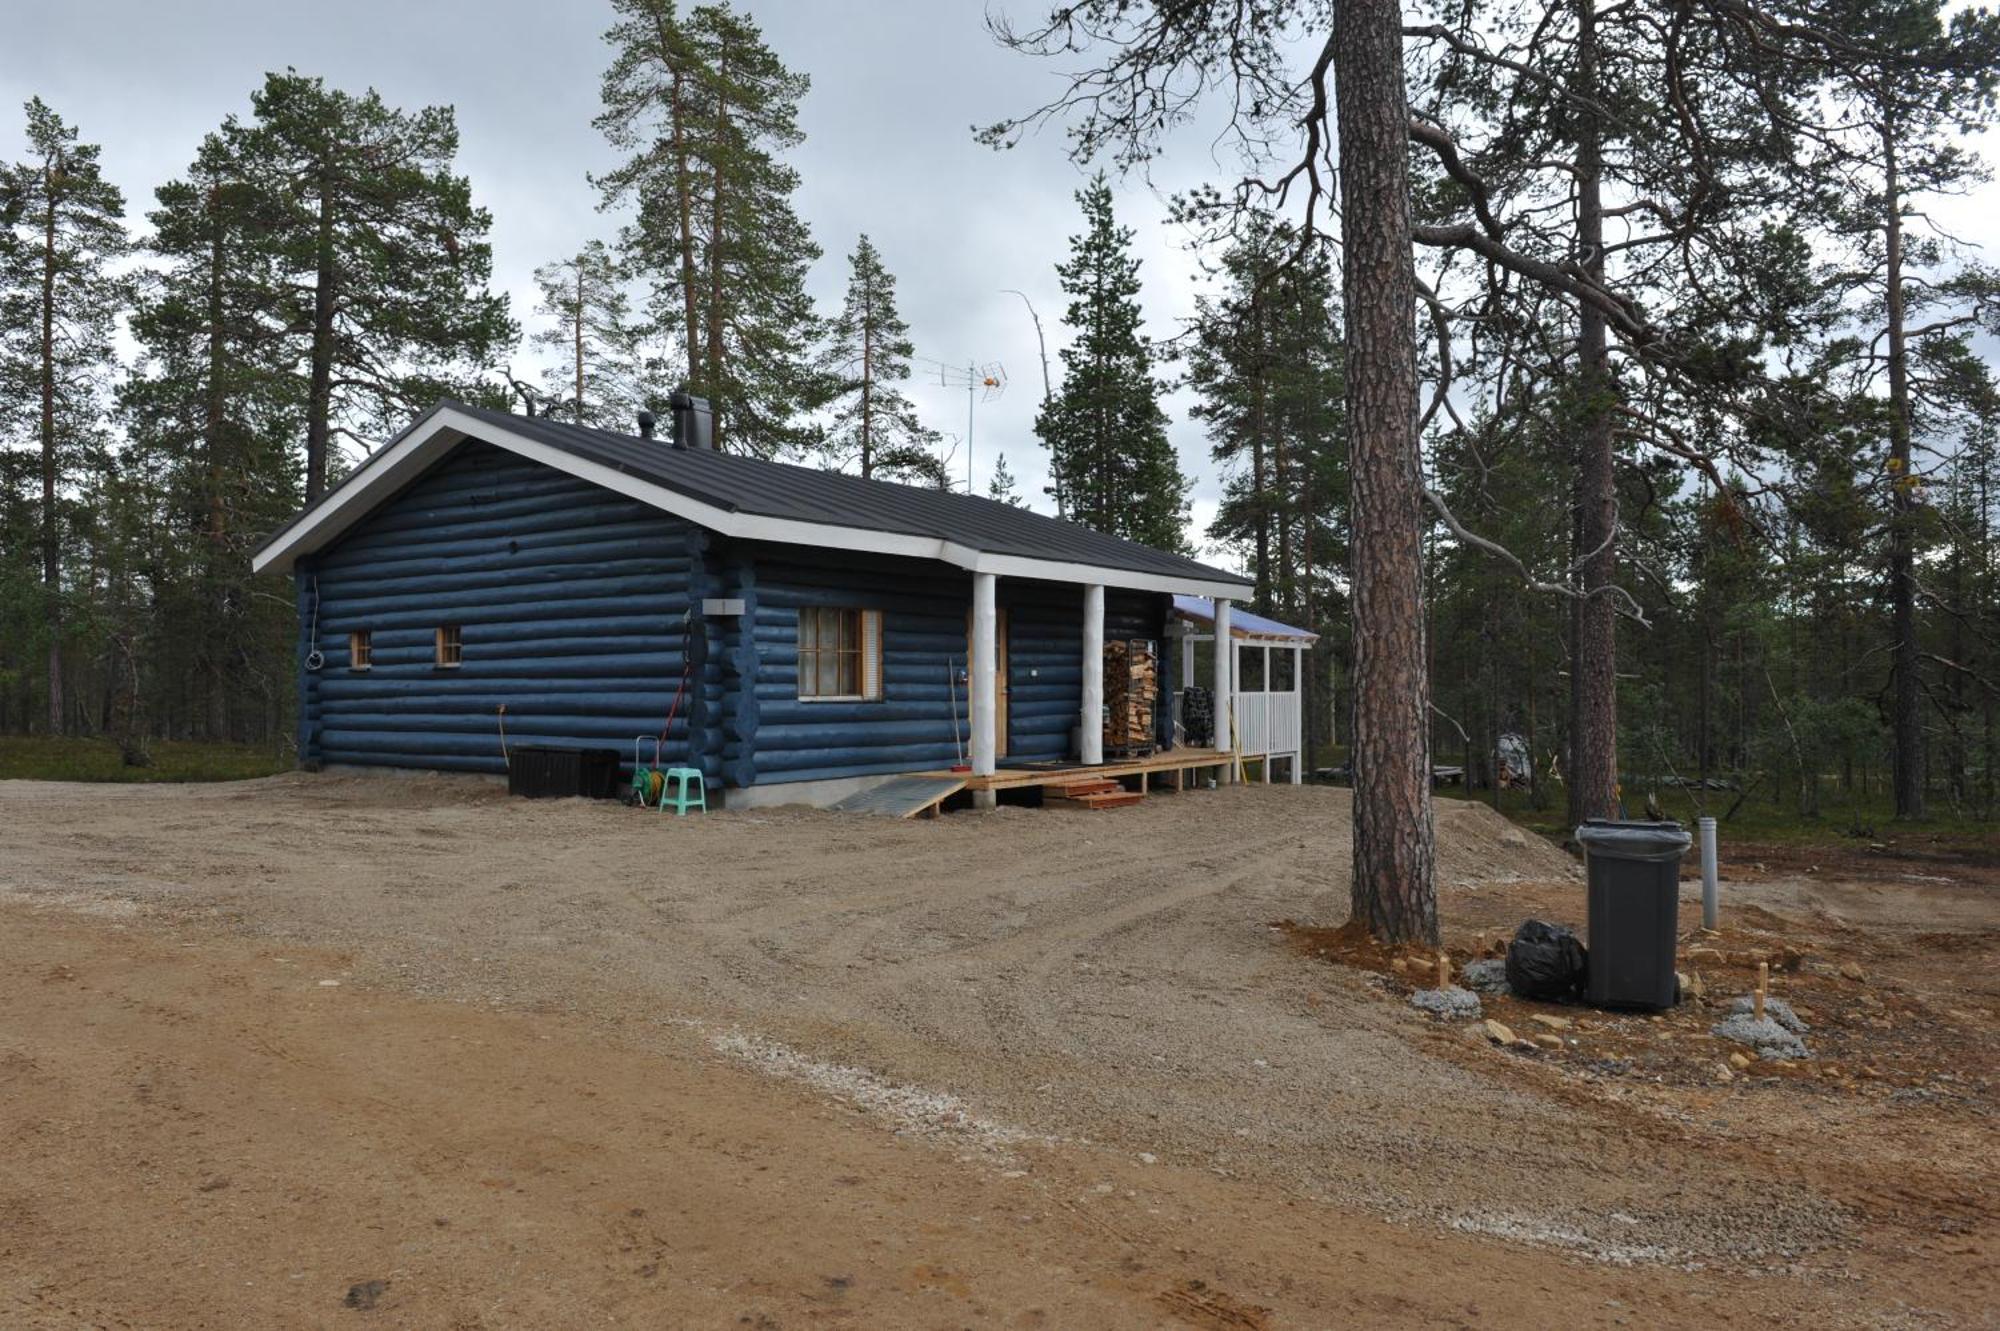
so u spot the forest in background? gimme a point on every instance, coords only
(1708, 437)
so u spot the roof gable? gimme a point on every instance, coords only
(759, 500)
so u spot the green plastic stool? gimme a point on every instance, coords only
(674, 794)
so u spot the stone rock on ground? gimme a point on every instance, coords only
(1777, 1009)
(1767, 1037)
(1452, 1002)
(1488, 976)
(1499, 1032)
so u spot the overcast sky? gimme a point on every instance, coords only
(896, 87)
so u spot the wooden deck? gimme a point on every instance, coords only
(1170, 769)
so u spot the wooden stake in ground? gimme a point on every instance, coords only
(1763, 986)
(1444, 971)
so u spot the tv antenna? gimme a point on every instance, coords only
(982, 383)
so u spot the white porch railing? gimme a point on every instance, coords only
(1267, 723)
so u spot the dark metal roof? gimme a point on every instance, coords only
(782, 490)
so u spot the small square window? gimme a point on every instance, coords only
(450, 647)
(360, 650)
(840, 655)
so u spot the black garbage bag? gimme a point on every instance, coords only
(1546, 961)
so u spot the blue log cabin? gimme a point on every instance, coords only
(809, 633)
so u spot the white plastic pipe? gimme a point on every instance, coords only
(1710, 905)
(1092, 720)
(985, 712)
(1225, 679)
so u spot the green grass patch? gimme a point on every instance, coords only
(45, 758)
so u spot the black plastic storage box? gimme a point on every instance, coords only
(543, 771)
(1635, 893)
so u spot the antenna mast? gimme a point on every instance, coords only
(982, 383)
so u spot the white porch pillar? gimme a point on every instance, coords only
(984, 705)
(1299, 713)
(1092, 749)
(1225, 683)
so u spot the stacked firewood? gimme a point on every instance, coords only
(1131, 687)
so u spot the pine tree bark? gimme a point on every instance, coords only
(1394, 889)
(1906, 717)
(51, 523)
(1593, 725)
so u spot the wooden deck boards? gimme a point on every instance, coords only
(1179, 762)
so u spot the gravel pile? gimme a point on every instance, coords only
(1777, 1009)
(1767, 1037)
(1451, 1003)
(1488, 976)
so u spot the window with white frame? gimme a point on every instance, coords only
(840, 654)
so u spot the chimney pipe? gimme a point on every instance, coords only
(694, 423)
(645, 425)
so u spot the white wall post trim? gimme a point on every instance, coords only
(984, 655)
(1092, 748)
(1225, 682)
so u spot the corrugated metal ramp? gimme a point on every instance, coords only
(904, 797)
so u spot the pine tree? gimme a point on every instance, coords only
(875, 426)
(384, 251)
(1908, 87)
(1002, 486)
(211, 414)
(61, 292)
(599, 380)
(1106, 435)
(1271, 389)
(704, 110)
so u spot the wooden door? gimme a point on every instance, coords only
(999, 675)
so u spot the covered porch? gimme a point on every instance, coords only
(1171, 763)
(1260, 697)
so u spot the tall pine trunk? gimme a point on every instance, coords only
(1593, 725)
(867, 386)
(214, 427)
(1394, 888)
(684, 203)
(51, 523)
(319, 394)
(721, 148)
(1906, 717)
(1260, 481)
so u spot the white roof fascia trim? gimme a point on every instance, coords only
(448, 428)
(1058, 570)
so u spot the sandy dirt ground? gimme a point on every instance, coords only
(345, 1051)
